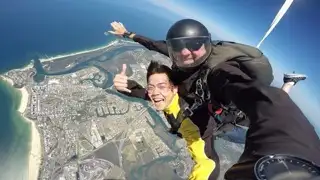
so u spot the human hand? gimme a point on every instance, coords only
(120, 81)
(118, 29)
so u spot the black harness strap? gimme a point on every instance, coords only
(202, 93)
(203, 97)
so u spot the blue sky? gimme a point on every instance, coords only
(292, 46)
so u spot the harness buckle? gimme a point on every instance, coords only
(188, 112)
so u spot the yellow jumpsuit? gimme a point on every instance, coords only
(190, 132)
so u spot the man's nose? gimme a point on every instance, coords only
(155, 91)
(185, 52)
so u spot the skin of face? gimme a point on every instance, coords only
(160, 91)
(189, 57)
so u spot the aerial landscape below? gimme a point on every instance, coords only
(63, 119)
(81, 129)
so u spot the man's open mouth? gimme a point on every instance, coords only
(158, 100)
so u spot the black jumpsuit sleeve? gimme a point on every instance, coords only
(159, 46)
(136, 90)
(277, 125)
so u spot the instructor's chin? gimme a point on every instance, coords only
(188, 61)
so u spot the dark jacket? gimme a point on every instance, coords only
(277, 125)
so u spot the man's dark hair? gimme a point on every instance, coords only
(157, 68)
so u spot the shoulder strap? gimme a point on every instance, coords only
(184, 113)
(185, 108)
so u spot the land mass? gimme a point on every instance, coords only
(84, 129)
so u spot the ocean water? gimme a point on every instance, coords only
(39, 28)
(34, 27)
(14, 135)
(48, 28)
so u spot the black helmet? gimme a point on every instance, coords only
(189, 43)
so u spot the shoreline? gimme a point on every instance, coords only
(78, 53)
(35, 151)
(30, 65)
(84, 51)
(34, 157)
(26, 67)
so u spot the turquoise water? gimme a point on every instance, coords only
(36, 27)
(14, 135)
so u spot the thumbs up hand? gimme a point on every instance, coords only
(120, 81)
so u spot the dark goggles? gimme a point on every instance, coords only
(191, 44)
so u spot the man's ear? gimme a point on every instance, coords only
(175, 89)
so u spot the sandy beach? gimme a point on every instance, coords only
(7, 80)
(84, 51)
(35, 143)
(35, 151)
(30, 65)
(78, 53)
(24, 100)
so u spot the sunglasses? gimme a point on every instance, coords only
(192, 45)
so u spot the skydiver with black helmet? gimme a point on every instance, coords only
(189, 46)
(280, 142)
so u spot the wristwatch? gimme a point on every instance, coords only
(273, 166)
(127, 34)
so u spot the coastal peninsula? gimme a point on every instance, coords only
(82, 129)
